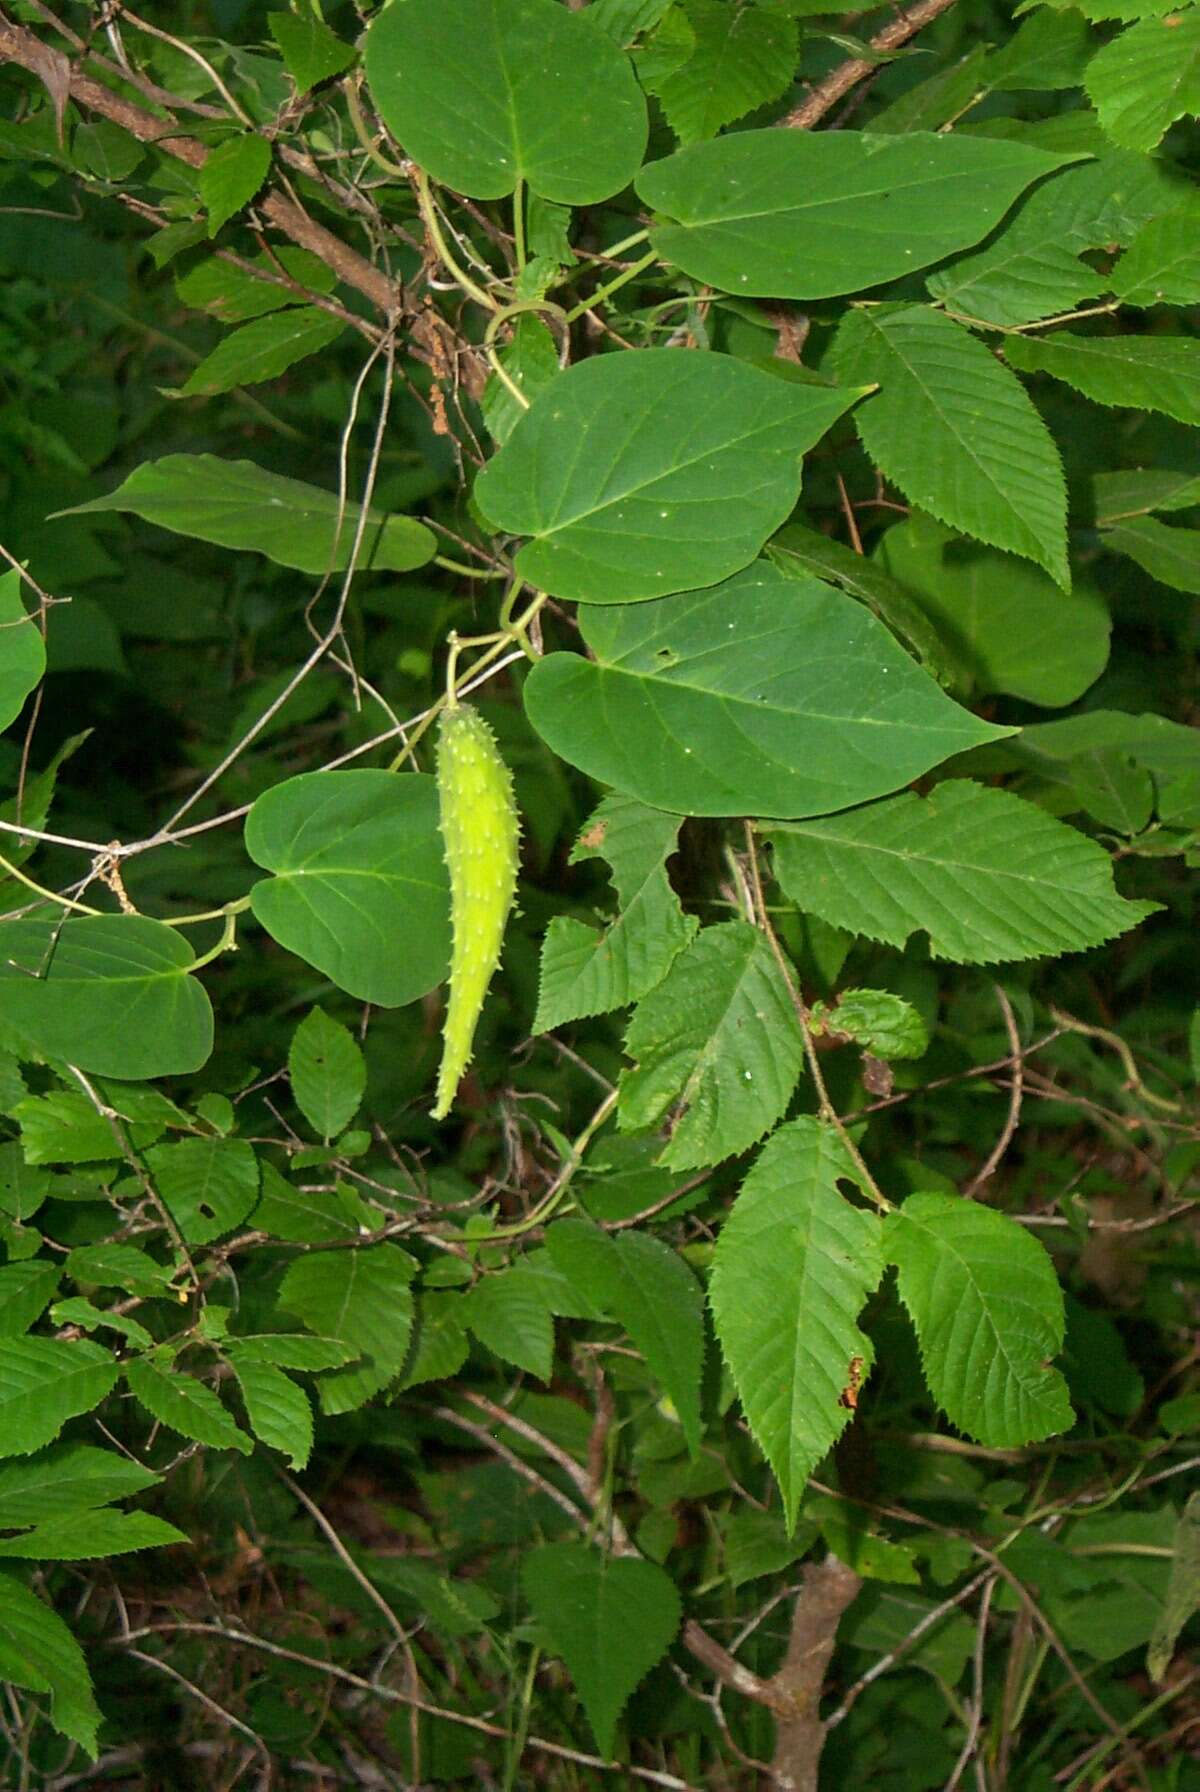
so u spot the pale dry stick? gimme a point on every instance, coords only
(958, 1076)
(210, 1704)
(836, 85)
(975, 1722)
(390, 1695)
(888, 1661)
(574, 1471)
(345, 1558)
(1016, 1089)
(524, 1469)
(1134, 1082)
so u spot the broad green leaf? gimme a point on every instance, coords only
(772, 694)
(277, 1408)
(882, 1619)
(362, 1298)
(611, 1618)
(956, 432)
(530, 360)
(1146, 78)
(1183, 1591)
(327, 1073)
(234, 294)
(1009, 626)
(1047, 52)
(885, 1024)
(1113, 789)
(1115, 497)
(626, 19)
(808, 215)
(551, 100)
(26, 1290)
(441, 1342)
(360, 888)
(987, 1307)
(43, 1383)
(988, 876)
(756, 1543)
(110, 994)
(239, 505)
(232, 176)
(289, 1350)
(63, 1128)
(1169, 749)
(66, 1478)
(586, 970)
(262, 350)
(120, 1266)
(800, 550)
(105, 150)
(77, 1311)
(743, 57)
(507, 1311)
(302, 1215)
(22, 650)
(33, 810)
(846, 1531)
(38, 1652)
(1169, 554)
(451, 1608)
(79, 1536)
(185, 1405)
(310, 50)
(933, 102)
(208, 1185)
(648, 1289)
(1132, 372)
(794, 1265)
(1162, 264)
(652, 471)
(717, 1047)
(1031, 268)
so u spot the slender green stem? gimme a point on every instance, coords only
(211, 914)
(554, 1199)
(68, 902)
(468, 572)
(519, 224)
(437, 238)
(226, 943)
(369, 148)
(605, 292)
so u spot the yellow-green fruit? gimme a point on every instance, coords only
(480, 833)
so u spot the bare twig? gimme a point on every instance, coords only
(1016, 1089)
(836, 85)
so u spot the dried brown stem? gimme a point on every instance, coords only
(836, 85)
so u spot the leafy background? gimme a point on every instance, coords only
(782, 425)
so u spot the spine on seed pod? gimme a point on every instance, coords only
(480, 836)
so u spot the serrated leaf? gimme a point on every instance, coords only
(290, 1350)
(38, 1652)
(277, 1408)
(1130, 372)
(1146, 78)
(988, 876)
(360, 888)
(794, 1265)
(1162, 264)
(695, 454)
(1168, 553)
(310, 50)
(239, 505)
(441, 1344)
(772, 694)
(530, 360)
(1031, 268)
(648, 1289)
(262, 350)
(209, 1185)
(109, 993)
(66, 1478)
(941, 97)
(551, 100)
(884, 1023)
(955, 432)
(756, 1543)
(451, 1608)
(327, 1073)
(809, 215)
(77, 1311)
(507, 1311)
(185, 1405)
(718, 1049)
(22, 650)
(301, 1215)
(1008, 626)
(743, 57)
(361, 1297)
(43, 1383)
(1114, 789)
(232, 176)
(585, 970)
(1183, 1591)
(120, 1266)
(26, 1290)
(988, 1311)
(610, 1618)
(81, 1536)
(1046, 53)
(234, 293)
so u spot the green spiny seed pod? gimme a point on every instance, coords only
(480, 834)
